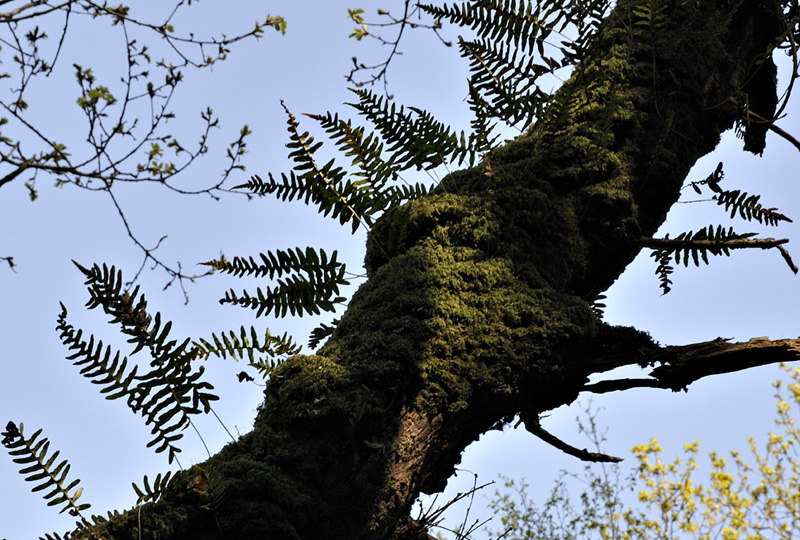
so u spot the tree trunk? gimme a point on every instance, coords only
(477, 306)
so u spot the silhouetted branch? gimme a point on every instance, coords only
(685, 364)
(532, 424)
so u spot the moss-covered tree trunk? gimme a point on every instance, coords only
(477, 306)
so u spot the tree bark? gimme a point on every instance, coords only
(477, 307)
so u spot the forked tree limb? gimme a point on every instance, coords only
(685, 364)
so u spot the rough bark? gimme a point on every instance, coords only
(477, 307)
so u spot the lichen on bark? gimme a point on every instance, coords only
(477, 306)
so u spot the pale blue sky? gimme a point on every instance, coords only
(751, 294)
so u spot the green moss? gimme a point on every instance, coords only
(476, 304)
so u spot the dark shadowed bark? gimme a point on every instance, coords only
(477, 307)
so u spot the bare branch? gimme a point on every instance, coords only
(771, 126)
(685, 364)
(532, 425)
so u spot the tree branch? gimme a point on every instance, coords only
(685, 364)
(771, 126)
(532, 424)
(712, 245)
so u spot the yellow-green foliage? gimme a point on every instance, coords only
(749, 497)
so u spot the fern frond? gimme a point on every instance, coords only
(31, 454)
(294, 295)
(315, 291)
(244, 344)
(364, 149)
(55, 536)
(324, 185)
(152, 494)
(663, 270)
(517, 22)
(518, 42)
(313, 263)
(697, 246)
(321, 333)
(736, 201)
(712, 181)
(96, 363)
(598, 307)
(748, 207)
(171, 391)
(648, 15)
(414, 138)
(506, 81)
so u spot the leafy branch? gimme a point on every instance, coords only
(125, 120)
(363, 74)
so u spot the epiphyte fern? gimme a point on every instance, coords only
(649, 15)
(244, 344)
(320, 333)
(170, 392)
(273, 347)
(152, 494)
(736, 201)
(317, 265)
(515, 48)
(32, 454)
(698, 245)
(366, 150)
(293, 295)
(324, 185)
(748, 207)
(414, 138)
(663, 270)
(316, 289)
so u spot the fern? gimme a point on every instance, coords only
(663, 270)
(170, 392)
(314, 291)
(598, 307)
(55, 536)
(320, 333)
(649, 15)
(324, 185)
(414, 138)
(293, 295)
(506, 82)
(699, 244)
(241, 345)
(152, 494)
(244, 344)
(514, 48)
(31, 454)
(366, 151)
(696, 246)
(747, 206)
(712, 180)
(315, 264)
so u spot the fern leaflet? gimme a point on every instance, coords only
(152, 494)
